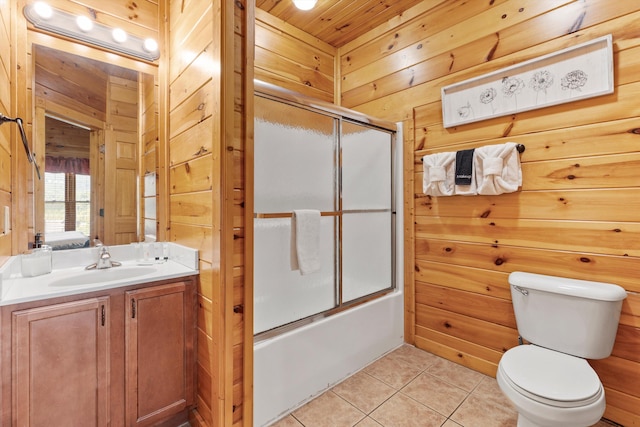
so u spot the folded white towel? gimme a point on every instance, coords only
(439, 174)
(497, 169)
(305, 236)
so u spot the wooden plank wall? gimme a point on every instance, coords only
(66, 140)
(70, 82)
(577, 213)
(293, 59)
(207, 130)
(191, 161)
(5, 130)
(241, 211)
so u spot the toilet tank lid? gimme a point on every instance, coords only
(574, 287)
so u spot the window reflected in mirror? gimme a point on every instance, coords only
(67, 198)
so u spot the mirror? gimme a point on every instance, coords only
(94, 132)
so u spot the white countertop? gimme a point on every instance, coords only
(68, 275)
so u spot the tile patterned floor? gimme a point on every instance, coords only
(409, 387)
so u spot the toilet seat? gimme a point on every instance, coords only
(550, 377)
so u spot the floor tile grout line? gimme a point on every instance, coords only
(346, 401)
(368, 415)
(294, 417)
(458, 407)
(434, 409)
(447, 417)
(399, 390)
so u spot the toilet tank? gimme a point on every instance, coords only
(576, 317)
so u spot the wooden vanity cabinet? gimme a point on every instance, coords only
(61, 356)
(123, 357)
(159, 336)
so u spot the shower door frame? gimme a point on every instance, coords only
(341, 115)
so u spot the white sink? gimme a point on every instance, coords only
(90, 277)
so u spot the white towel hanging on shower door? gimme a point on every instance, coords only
(305, 239)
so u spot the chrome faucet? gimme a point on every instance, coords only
(104, 260)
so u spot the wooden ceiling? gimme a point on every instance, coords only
(337, 22)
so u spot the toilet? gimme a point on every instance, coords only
(565, 321)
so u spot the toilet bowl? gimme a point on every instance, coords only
(549, 388)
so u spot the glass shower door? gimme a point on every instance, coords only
(295, 168)
(367, 247)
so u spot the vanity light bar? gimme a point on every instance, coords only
(65, 24)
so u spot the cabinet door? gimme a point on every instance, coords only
(159, 348)
(61, 364)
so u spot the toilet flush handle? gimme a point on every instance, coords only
(523, 291)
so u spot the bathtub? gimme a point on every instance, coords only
(292, 368)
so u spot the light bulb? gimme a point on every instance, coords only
(43, 10)
(305, 4)
(150, 45)
(119, 35)
(84, 23)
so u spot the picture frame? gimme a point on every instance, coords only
(577, 72)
